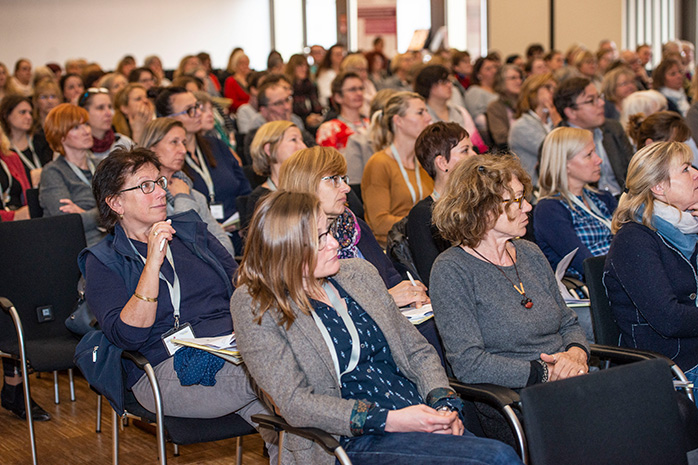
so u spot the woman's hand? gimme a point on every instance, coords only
(69, 207)
(177, 186)
(423, 419)
(158, 237)
(139, 118)
(35, 176)
(22, 213)
(566, 364)
(405, 294)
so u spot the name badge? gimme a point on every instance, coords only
(217, 211)
(184, 331)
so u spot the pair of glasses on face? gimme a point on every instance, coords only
(89, 92)
(594, 100)
(148, 186)
(337, 180)
(190, 111)
(280, 103)
(331, 231)
(519, 200)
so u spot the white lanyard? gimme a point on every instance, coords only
(341, 308)
(272, 186)
(78, 172)
(203, 171)
(435, 195)
(595, 213)
(175, 290)
(396, 155)
(6, 193)
(31, 164)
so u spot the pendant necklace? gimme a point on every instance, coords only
(526, 301)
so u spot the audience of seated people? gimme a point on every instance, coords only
(407, 154)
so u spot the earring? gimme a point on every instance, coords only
(121, 216)
(446, 170)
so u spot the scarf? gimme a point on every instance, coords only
(679, 228)
(103, 145)
(348, 234)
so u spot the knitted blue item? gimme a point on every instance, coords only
(195, 366)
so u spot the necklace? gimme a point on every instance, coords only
(526, 301)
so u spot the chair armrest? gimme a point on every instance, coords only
(135, 357)
(277, 423)
(493, 394)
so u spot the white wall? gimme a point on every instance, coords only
(105, 30)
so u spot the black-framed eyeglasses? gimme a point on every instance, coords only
(189, 111)
(148, 186)
(280, 103)
(331, 231)
(519, 200)
(336, 180)
(593, 100)
(82, 101)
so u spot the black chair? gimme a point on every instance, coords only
(179, 431)
(35, 210)
(623, 415)
(38, 280)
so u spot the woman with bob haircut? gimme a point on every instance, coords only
(273, 144)
(72, 87)
(322, 171)
(165, 137)
(132, 110)
(290, 296)
(7, 87)
(155, 275)
(496, 302)
(656, 216)
(47, 96)
(535, 117)
(570, 213)
(393, 180)
(439, 148)
(617, 84)
(667, 78)
(66, 182)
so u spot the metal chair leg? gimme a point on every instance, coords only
(176, 449)
(115, 436)
(159, 414)
(72, 384)
(98, 426)
(57, 400)
(238, 451)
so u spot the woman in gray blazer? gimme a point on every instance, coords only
(331, 350)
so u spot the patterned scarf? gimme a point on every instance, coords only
(102, 145)
(348, 234)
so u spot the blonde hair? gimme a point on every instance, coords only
(281, 254)
(5, 145)
(353, 62)
(648, 167)
(559, 147)
(528, 97)
(9, 87)
(609, 85)
(156, 130)
(474, 197)
(383, 133)
(269, 133)
(41, 87)
(234, 60)
(303, 171)
(121, 99)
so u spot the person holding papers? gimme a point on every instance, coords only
(328, 345)
(155, 278)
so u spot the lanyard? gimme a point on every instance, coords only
(341, 307)
(203, 171)
(78, 172)
(435, 195)
(272, 186)
(418, 177)
(175, 290)
(33, 164)
(6, 193)
(594, 212)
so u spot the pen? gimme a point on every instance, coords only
(409, 275)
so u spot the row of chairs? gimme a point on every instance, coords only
(44, 274)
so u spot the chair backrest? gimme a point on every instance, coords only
(606, 330)
(35, 210)
(39, 268)
(398, 249)
(628, 414)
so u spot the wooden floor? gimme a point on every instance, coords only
(70, 438)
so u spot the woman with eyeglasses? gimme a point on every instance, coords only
(496, 302)
(132, 111)
(99, 106)
(571, 214)
(617, 84)
(500, 112)
(393, 180)
(154, 277)
(66, 183)
(348, 95)
(18, 123)
(209, 162)
(326, 343)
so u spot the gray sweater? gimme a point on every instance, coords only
(488, 336)
(525, 139)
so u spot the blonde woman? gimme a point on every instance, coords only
(393, 180)
(570, 213)
(7, 87)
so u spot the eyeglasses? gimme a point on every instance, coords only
(48, 97)
(519, 200)
(353, 89)
(595, 99)
(91, 91)
(280, 103)
(336, 180)
(148, 186)
(189, 111)
(443, 82)
(331, 231)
